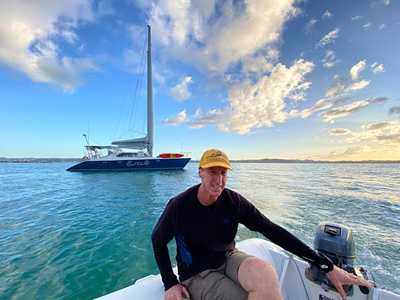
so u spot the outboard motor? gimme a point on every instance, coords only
(336, 242)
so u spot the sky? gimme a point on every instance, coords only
(256, 79)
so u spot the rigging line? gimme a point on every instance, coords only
(119, 133)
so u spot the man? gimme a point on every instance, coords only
(204, 220)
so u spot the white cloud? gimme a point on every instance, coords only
(181, 90)
(345, 110)
(212, 117)
(260, 63)
(329, 38)
(376, 126)
(377, 138)
(386, 2)
(335, 96)
(359, 85)
(367, 25)
(311, 24)
(382, 26)
(262, 103)
(329, 60)
(180, 118)
(215, 40)
(342, 88)
(27, 36)
(327, 14)
(320, 105)
(377, 68)
(357, 69)
(355, 18)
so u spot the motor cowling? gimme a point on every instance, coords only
(335, 241)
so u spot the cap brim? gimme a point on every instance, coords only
(216, 164)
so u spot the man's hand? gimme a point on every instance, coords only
(177, 292)
(340, 277)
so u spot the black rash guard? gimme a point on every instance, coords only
(204, 234)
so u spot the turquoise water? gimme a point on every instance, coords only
(77, 236)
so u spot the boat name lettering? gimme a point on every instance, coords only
(137, 163)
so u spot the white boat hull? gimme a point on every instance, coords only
(290, 269)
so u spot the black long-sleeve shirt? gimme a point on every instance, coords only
(203, 234)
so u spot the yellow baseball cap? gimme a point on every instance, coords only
(214, 158)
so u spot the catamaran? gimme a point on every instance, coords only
(133, 154)
(298, 281)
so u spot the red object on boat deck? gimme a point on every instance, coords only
(170, 155)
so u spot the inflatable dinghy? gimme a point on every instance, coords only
(297, 279)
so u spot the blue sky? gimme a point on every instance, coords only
(258, 79)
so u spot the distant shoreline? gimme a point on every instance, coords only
(265, 160)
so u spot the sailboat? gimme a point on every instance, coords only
(132, 154)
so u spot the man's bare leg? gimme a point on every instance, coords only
(259, 279)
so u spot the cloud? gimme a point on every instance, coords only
(392, 138)
(260, 63)
(181, 90)
(180, 118)
(320, 105)
(382, 26)
(386, 2)
(213, 117)
(333, 104)
(345, 110)
(355, 18)
(346, 153)
(377, 68)
(367, 25)
(357, 69)
(359, 85)
(339, 131)
(386, 133)
(327, 14)
(395, 110)
(343, 87)
(214, 36)
(310, 25)
(262, 103)
(376, 126)
(371, 141)
(329, 38)
(329, 60)
(28, 35)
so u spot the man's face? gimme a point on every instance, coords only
(213, 180)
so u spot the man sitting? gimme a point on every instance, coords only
(204, 220)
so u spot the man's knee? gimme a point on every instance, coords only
(255, 274)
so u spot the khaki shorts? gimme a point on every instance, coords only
(221, 283)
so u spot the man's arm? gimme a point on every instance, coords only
(162, 234)
(253, 219)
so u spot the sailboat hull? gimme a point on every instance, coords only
(142, 164)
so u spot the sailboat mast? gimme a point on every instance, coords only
(150, 118)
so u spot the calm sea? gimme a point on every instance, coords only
(78, 236)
